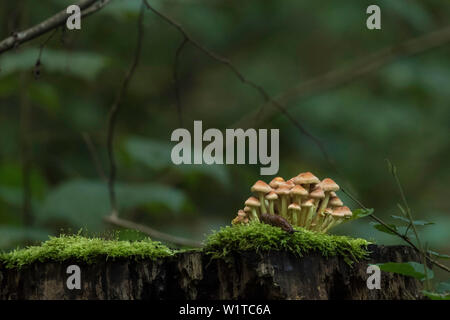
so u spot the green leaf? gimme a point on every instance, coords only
(411, 269)
(361, 213)
(436, 296)
(84, 203)
(382, 228)
(439, 255)
(416, 222)
(85, 65)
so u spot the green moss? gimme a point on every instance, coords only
(84, 249)
(263, 237)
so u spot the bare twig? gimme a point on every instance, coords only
(37, 65)
(95, 158)
(152, 232)
(354, 71)
(112, 116)
(49, 24)
(176, 80)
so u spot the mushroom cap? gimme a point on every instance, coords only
(282, 190)
(242, 214)
(337, 214)
(308, 203)
(328, 211)
(317, 193)
(333, 194)
(305, 178)
(299, 190)
(272, 196)
(247, 209)
(328, 185)
(261, 186)
(335, 202)
(253, 202)
(275, 181)
(345, 211)
(294, 206)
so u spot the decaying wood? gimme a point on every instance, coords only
(193, 275)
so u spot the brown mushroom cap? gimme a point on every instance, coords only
(308, 203)
(294, 206)
(328, 211)
(328, 184)
(272, 196)
(306, 178)
(333, 194)
(247, 209)
(252, 202)
(298, 190)
(317, 193)
(275, 182)
(242, 214)
(282, 190)
(335, 202)
(344, 211)
(261, 186)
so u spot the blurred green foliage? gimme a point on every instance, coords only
(399, 112)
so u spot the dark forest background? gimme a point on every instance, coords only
(49, 122)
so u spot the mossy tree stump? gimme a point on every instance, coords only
(194, 275)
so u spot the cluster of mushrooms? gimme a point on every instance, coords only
(303, 201)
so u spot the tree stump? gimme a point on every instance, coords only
(193, 275)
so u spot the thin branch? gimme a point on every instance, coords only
(112, 116)
(152, 232)
(388, 227)
(361, 67)
(176, 80)
(37, 65)
(49, 24)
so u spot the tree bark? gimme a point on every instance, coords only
(193, 275)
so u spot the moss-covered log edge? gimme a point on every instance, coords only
(221, 244)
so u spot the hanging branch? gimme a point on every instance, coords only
(51, 23)
(112, 116)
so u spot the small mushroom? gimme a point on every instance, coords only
(283, 193)
(275, 182)
(271, 198)
(307, 213)
(298, 193)
(340, 214)
(328, 185)
(306, 179)
(261, 188)
(254, 204)
(294, 211)
(325, 219)
(316, 195)
(335, 202)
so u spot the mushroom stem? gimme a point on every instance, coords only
(324, 203)
(309, 217)
(284, 206)
(263, 203)
(254, 214)
(271, 206)
(294, 219)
